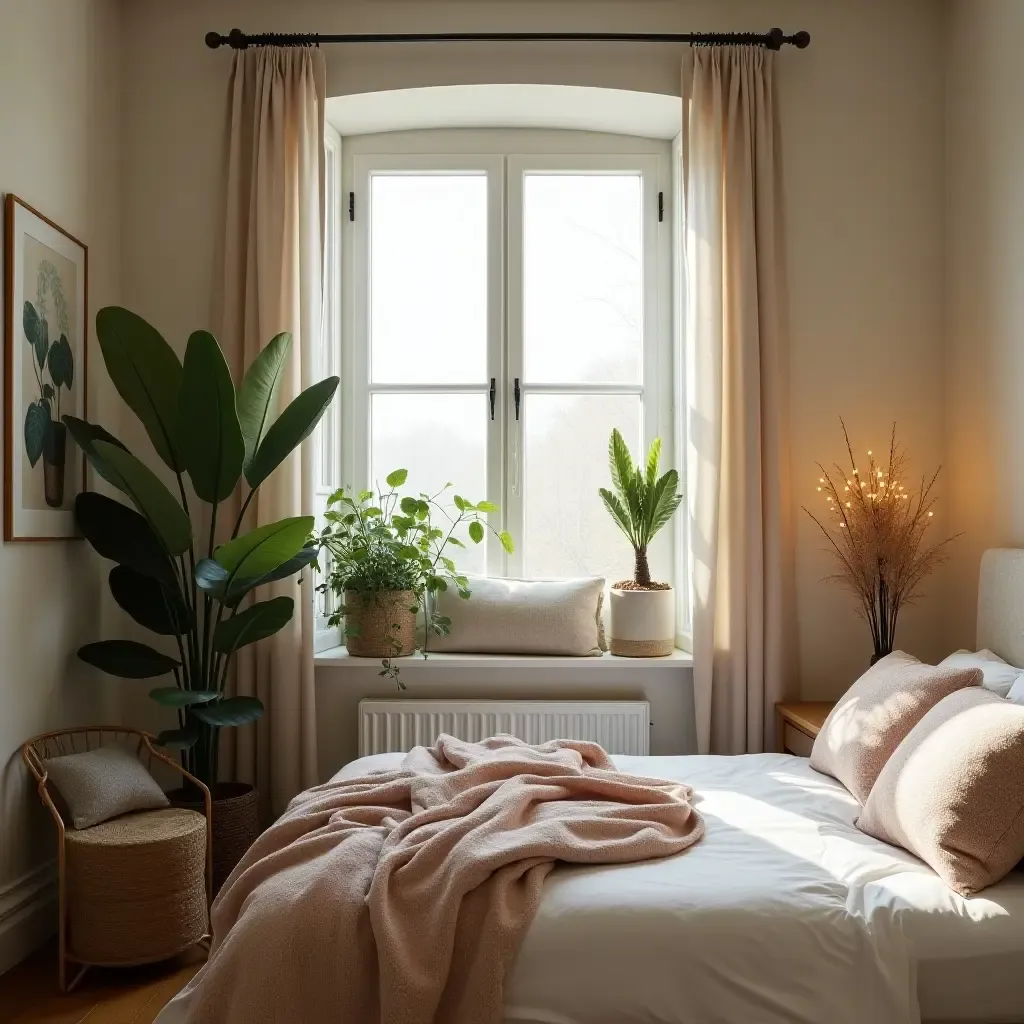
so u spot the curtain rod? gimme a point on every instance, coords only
(772, 40)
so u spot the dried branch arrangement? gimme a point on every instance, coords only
(877, 531)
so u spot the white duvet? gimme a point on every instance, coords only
(783, 914)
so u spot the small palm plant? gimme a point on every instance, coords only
(641, 503)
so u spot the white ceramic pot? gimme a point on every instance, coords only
(642, 623)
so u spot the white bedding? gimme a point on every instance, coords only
(783, 914)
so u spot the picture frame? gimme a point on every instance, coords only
(46, 328)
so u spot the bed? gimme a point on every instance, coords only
(784, 912)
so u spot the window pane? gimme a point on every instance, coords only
(568, 532)
(437, 438)
(428, 278)
(582, 278)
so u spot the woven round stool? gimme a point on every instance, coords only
(136, 887)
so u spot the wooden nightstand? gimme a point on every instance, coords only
(798, 723)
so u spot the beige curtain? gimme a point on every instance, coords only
(738, 447)
(269, 280)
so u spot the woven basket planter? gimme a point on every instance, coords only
(136, 887)
(385, 626)
(236, 823)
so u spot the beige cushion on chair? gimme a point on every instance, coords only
(509, 616)
(953, 793)
(100, 784)
(875, 714)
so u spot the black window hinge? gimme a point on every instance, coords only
(351, 206)
(661, 207)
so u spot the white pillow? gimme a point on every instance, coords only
(996, 675)
(510, 616)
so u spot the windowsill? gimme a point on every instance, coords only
(338, 657)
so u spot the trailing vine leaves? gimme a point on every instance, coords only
(384, 542)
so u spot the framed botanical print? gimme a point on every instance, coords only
(46, 325)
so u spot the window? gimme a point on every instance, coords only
(327, 438)
(506, 303)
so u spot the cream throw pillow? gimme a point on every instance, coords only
(510, 616)
(103, 783)
(953, 793)
(874, 715)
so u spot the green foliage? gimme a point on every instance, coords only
(230, 711)
(121, 534)
(262, 550)
(127, 659)
(258, 391)
(61, 363)
(290, 429)
(157, 607)
(229, 589)
(146, 373)
(642, 502)
(84, 435)
(199, 428)
(55, 361)
(386, 542)
(37, 428)
(172, 697)
(257, 622)
(37, 333)
(161, 510)
(209, 436)
(380, 569)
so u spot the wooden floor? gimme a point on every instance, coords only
(131, 995)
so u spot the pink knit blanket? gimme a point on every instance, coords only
(402, 896)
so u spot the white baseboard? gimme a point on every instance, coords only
(28, 914)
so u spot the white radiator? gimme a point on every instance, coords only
(621, 727)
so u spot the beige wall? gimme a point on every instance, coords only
(863, 161)
(59, 118)
(985, 290)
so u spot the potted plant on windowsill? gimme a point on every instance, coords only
(642, 611)
(201, 428)
(388, 555)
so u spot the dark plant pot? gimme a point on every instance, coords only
(879, 655)
(54, 450)
(236, 823)
(384, 625)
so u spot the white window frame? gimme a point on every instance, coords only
(327, 452)
(361, 388)
(504, 155)
(656, 339)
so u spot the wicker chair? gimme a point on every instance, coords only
(132, 890)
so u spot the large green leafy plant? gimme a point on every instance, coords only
(385, 542)
(166, 578)
(642, 502)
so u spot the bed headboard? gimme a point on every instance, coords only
(1001, 604)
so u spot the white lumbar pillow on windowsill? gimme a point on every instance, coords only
(510, 616)
(996, 675)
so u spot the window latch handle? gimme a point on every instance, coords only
(516, 394)
(491, 394)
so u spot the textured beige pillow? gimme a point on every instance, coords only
(103, 783)
(876, 713)
(953, 793)
(509, 616)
